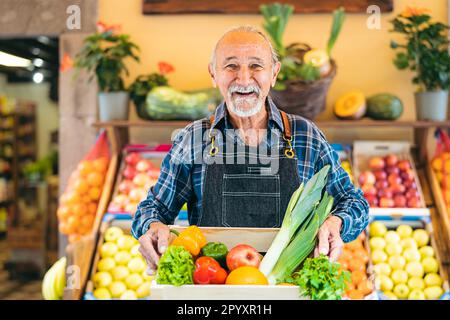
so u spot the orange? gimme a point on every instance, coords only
(355, 294)
(63, 228)
(92, 208)
(358, 277)
(94, 179)
(63, 213)
(350, 286)
(72, 198)
(81, 187)
(343, 263)
(100, 164)
(72, 224)
(79, 209)
(85, 167)
(365, 287)
(361, 254)
(74, 238)
(346, 254)
(87, 220)
(247, 275)
(95, 193)
(354, 245)
(356, 264)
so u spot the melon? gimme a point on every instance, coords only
(351, 105)
(384, 106)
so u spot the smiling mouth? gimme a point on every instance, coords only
(245, 94)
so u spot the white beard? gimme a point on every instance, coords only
(238, 107)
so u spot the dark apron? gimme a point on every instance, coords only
(249, 195)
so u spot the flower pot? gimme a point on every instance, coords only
(113, 105)
(431, 105)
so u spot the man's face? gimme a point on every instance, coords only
(244, 72)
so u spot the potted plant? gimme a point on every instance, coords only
(305, 73)
(143, 84)
(425, 53)
(103, 53)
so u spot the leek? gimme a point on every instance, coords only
(306, 211)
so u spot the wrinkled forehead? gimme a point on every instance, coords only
(243, 47)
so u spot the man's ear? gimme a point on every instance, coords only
(211, 73)
(276, 70)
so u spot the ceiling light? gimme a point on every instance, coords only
(38, 62)
(10, 60)
(38, 77)
(43, 39)
(35, 51)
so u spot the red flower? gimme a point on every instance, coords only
(165, 68)
(102, 27)
(66, 63)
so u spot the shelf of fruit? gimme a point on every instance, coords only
(406, 262)
(387, 176)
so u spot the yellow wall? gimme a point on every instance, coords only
(363, 56)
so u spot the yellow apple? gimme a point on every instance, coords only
(411, 255)
(415, 269)
(135, 251)
(377, 243)
(384, 283)
(426, 251)
(433, 279)
(416, 283)
(382, 269)
(128, 295)
(120, 273)
(434, 292)
(421, 236)
(390, 295)
(125, 242)
(430, 265)
(108, 249)
(397, 262)
(401, 291)
(117, 288)
(102, 279)
(136, 265)
(408, 243)
(122, 257)
(106, 264)
(133, 281)
(102, 293)
(392, 237)
(393, 249)
(379, 256)
(416, 294)
(144, 290)
(399, 276)
(404, 231)
(377, 229)
(112, 234)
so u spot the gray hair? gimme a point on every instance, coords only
(245, 29)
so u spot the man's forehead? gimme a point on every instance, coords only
(243, 45)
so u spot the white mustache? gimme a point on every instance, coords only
(243, 89)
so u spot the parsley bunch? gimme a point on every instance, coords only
(321, 279)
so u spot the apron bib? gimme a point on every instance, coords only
(249, 194)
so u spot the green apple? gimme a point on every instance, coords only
(133, 281)
(430, 265)
(106, 264)
(397, 262)
(414, 269)
(136, 265)
(112, 234)
(411, 254)
(102, 279)
(128, 295)
(377, 229)
(393, 249)
(125, 242)
(377, 243)
(426, 251)
(399, 276)
(390, 295)
(401, 291)
(379, 256)
(434, 292)
(408, 243)
(117, 288)
(416, 294)
(108, 249)
(382, 268)
(122, 257)
(102, 293)
(433, 279)
(384, 283)
(421, 236)
(392, 237)
(120, 273)
(135, 250)
(404, 231)
(416, 283)
(144, 290)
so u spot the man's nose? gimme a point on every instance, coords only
(244, 76)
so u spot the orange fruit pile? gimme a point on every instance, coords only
(354, 258)
(441, 167)
(78, 204)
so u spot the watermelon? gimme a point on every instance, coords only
(384, 106)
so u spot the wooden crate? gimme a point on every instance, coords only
(364, 150)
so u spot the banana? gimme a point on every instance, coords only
(60, 277)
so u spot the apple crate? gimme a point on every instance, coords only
(364, 150)
(416, 223)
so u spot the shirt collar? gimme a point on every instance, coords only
(274, 114)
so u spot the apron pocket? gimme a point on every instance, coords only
(250, 200)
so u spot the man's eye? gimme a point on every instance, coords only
(231, 66)
(256, 66)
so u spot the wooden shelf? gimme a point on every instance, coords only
(323, 124)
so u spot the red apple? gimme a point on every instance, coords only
(154, 173)
(144, 165)
(391, 170)
(386, 202)
(391, 160)
(125, 186)
(129, 172)
(381, 184)
(137, 195)
(132, 158)
(141, 179)
(394, 179)
(412, 193)
(243, 255)
(372, 200)
(399, 201)
(380, 175)
(404, 165)
(407, 175)
(410, 184)
(385, 193)
(398, 189)
(366, 177)
(121, 200)
(369, 189)
(376, 163)
(414, 203)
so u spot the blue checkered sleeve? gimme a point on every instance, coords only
(171, 191)
(350, 204)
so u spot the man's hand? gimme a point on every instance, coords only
(330, 242)
(153, 244)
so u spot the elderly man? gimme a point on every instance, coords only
(243, 192)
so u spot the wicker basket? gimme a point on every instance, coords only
(302, 98)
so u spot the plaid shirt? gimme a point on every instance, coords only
(182, 174)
